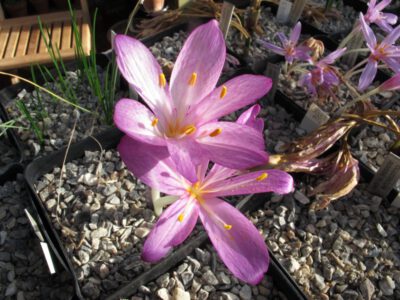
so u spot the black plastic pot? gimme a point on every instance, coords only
(108, 140)
(11, 175)
(8, 94)
(12, 138)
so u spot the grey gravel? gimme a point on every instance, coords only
(8, 151)
(205, 283)
(23, 272)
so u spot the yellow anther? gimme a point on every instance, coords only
(262, 177)
(193, 78)
(189, 129)
(215, 132)
(180, 218)
(161, 80)
(223, 92)
(154, 122)
(227, 226)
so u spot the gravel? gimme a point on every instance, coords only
(58, 117)
(341, 21)
(23, 272)
(203, 276)
(339, 252)
(102, 217)
(267, 22)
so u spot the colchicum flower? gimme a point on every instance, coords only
(236, 239)
(375, 15)
(322, 76)
(182, 117)
(384, 51)
(289, 48)
(391, 84)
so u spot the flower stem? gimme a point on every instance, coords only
(349, 73)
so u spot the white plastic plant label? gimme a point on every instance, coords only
(386, 177)
(314, 118)
(47, 256)
(282, 15)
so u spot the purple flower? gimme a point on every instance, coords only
(322, 76)
(182, 117)
(384, 51)
(375, 15)
(289, 48)
(236, 239)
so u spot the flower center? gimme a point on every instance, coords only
(195, 191)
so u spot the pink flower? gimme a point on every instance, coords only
(323, 76)
(391, 84)
(375, 15)
(182, 117)
(289, 48)
(237, 241)
(384, 51)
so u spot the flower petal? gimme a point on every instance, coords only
(368, 74)
(368, 33)
(282, 38)
(152, 165)
(249, 118)
(272, 47)
(134, 119)
(239, 92)
(392, 63)
(241, 248)
(295, 34)
(233, 145)
(139, 67)
(330, 59)
(203, 54)
(392, 37)
(390, 18)
(381, 5)
(264, 181)
(187, 155)
(173, 227)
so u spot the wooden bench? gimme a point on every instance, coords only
(22, 45)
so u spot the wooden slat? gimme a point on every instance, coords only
(34, 40)
(56, 34)
(23, 41)
(66, 37)
(21, 44)
(45, 39)
(79, 25)
(4, 34)
(45, 18)
(12, 42)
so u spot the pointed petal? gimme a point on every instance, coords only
(139, 67)
(187, 155)
(249, 118)
(240, 92)
(393, 63)
(368, 33)
(134, 119)
(272, 47)
(392, 37)
(152, 165)
(241, 248)
(282, 38)
(391, 84)
(204, 54)
(169, 231)
(330, 59)
(218, 173)
(368, 74)
(295, 34)
(381, 5)
(264, 181)
(236, 146)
